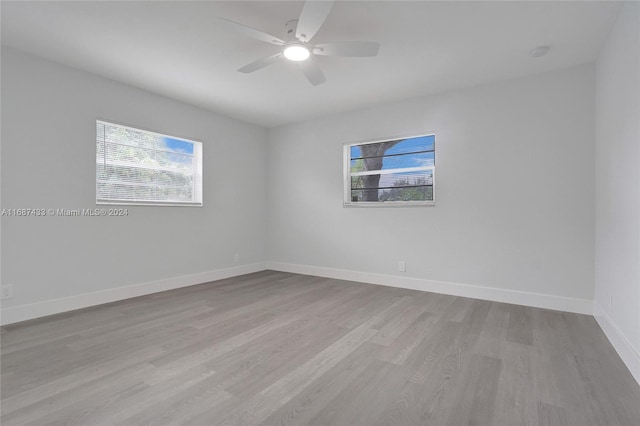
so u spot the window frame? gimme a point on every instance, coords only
(346, 155)
(198, 182)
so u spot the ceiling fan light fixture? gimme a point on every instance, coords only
(296, 52)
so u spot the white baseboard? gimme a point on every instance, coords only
(620, 343)
(537, 300)
(55, 306)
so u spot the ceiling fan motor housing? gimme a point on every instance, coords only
(291, 27)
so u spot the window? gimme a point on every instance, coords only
(390, 172)
(138, 167)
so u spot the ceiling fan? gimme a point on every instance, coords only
(297, 45)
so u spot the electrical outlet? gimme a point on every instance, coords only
(402, 266)
(236, 257)
(7, 291)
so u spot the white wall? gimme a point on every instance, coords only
(514, 191)
(617, 206)
(48, 161)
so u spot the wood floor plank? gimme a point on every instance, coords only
(315, 397)
(286, 388)
(516, 399)
(413, 336)
(364, 398)
(493, 335)
(194, 341)
(38, 395)
(250, 374)
(185, 405)
(138, 329)
(161, 387)
(72, 403)
(550, 415)
(81, 412)
(475, 392)
(393, 326)
(278, 348)
(519, 328)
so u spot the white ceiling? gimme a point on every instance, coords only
(179, 49)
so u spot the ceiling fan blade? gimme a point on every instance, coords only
(347, 48)
(251, 32)
(312, 71)
(260, 63)
(311, 19)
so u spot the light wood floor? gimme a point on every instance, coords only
(284, 349)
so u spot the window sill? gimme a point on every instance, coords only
(146, 203)
(388, 204)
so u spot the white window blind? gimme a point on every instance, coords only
(140, 167)
(390, 172)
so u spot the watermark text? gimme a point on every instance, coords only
(56, 212)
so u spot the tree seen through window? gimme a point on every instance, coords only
(392, 171)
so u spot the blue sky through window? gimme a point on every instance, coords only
(402, 156)
(178, 145)
(422, 143)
